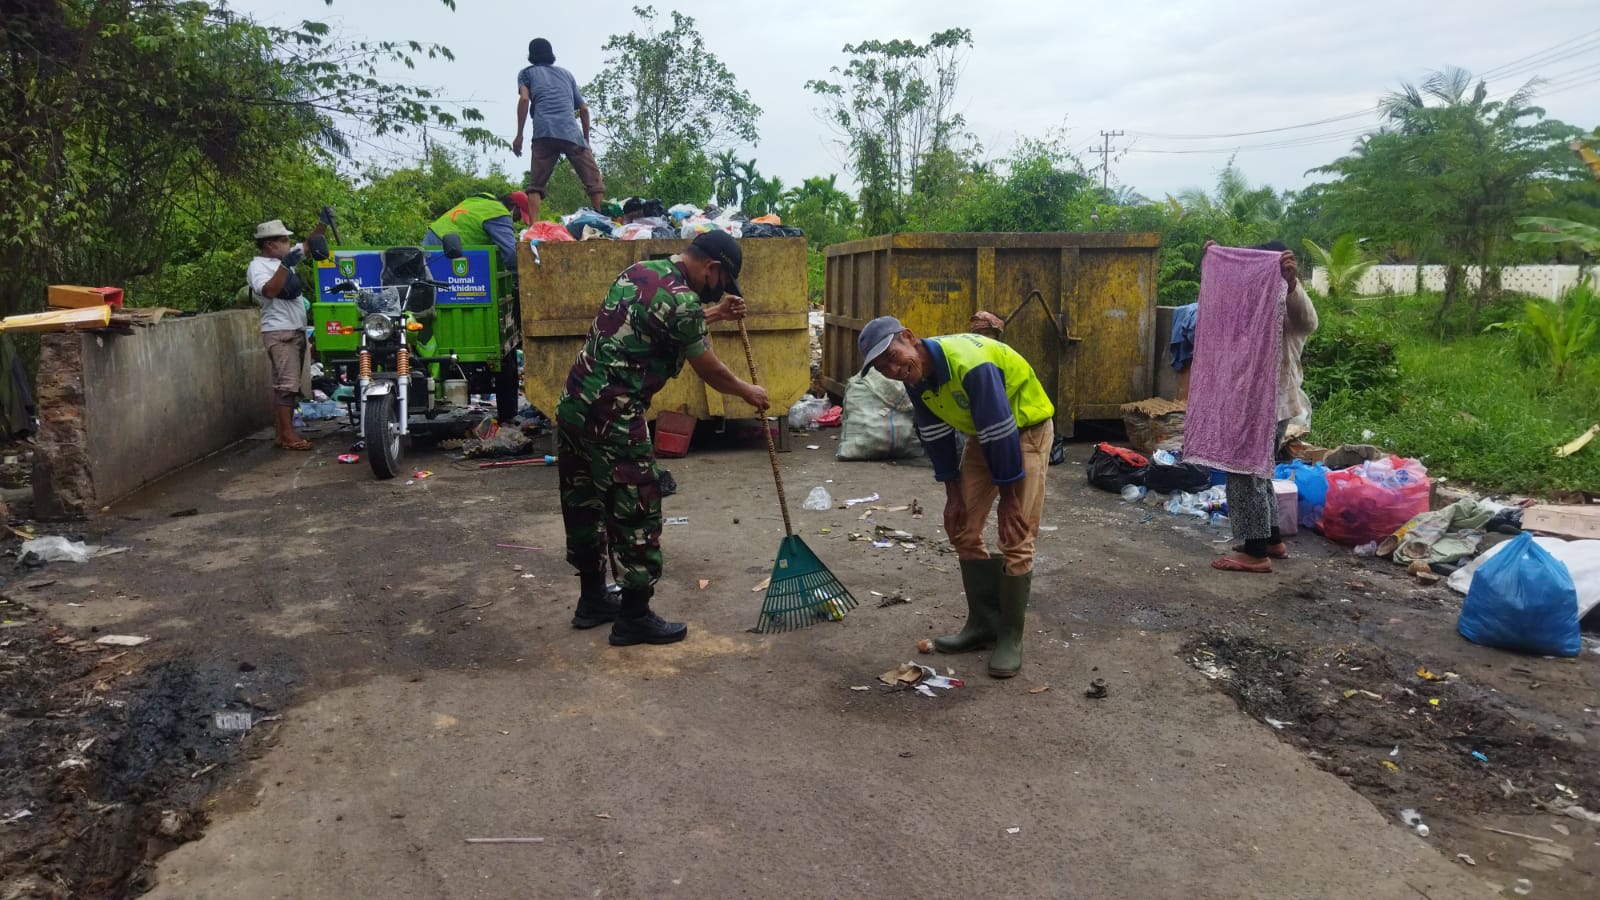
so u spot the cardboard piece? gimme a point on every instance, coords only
(76, 296)
(1576, 522)
(58, 320)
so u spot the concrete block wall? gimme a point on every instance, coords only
(1539, 281)
(119, 411)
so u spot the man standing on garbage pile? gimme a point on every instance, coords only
(277, 289)
(1252, 505)
(483, 219)
(987, 391)
(653, 319)
(551, 93)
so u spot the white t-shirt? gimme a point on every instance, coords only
(276, 314)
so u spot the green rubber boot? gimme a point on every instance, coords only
(980, 578)
(1006, 660)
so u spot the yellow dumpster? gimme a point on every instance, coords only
(562, 291)
(1079, 307)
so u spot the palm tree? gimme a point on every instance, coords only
(1345, 263)
(728, 180)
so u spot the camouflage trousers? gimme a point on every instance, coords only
(610, 501)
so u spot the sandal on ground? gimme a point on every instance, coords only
(301, 444)
(1279, 550)
(1232, 564)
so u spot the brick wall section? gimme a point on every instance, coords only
(63, 486)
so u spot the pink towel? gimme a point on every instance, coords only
(1232, 418)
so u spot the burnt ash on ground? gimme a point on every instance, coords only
(109, 755)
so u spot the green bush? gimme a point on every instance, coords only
(1355, 356)
(1470, 409)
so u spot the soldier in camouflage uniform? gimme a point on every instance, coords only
(653, 319)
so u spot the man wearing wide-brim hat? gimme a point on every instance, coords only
(278, 290)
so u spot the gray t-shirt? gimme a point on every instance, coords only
(553, 98)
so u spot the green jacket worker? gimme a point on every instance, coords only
(988, 392)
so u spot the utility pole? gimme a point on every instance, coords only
(1105, 158)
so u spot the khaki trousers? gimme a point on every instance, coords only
(980, 492)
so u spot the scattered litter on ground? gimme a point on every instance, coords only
(860, 687)
(1276, 723)
(1522, 887)
(813, 447)
(676, 520)
(1466, 859)
(892, 600)
(518, 547)
(857, 501)
(54, 548)
(506, 840)
(1391, 766)
(924, 646)
(232, 720)
(422, 473)
(1097, 690)
(1413, 821)
(819, 499)
(602, 815)
(1479, 756)
(765, 582)
(922, 678)
(705, 583)
(121, 640)
(349, 458)
(882, 545)
(1013, 830)
(1040, 689)
(17, 816)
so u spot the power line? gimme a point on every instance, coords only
(1552, 54)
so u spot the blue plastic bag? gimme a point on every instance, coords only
(1312, 483)
(1522, 599)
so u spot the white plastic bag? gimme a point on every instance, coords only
(804, 414)
(819, 499)
(55, 548)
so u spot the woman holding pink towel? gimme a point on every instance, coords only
(1252, 508)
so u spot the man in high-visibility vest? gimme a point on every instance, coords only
(987, 391)
(483, 219)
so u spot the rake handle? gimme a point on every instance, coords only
(772, 449)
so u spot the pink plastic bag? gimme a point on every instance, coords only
(1368, 502)
(547, 231)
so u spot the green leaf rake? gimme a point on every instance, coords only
(801, 591)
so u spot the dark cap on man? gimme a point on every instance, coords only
(876, 338)
(720, 246)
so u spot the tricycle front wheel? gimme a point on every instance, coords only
(382, 437)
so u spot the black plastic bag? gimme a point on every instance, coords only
(1114, 468)
(1184, 477)
(1058, 451)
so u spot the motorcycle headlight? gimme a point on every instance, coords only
(378, 327)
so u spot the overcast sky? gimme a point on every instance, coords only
(1155, 70)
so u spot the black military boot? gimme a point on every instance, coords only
(597, 603)
(636, 624)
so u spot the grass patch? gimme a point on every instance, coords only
(1473, 408)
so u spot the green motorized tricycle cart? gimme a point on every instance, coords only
(409, 334)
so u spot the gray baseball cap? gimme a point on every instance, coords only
(876, 338)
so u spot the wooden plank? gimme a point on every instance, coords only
(58, 320)
(1577, 522)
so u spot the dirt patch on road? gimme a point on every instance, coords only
(112, 753)
(1463, 755)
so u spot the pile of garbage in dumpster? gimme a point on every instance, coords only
(649, 220)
